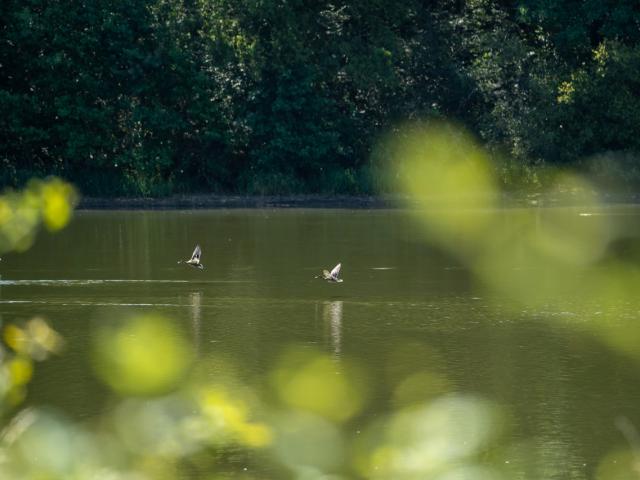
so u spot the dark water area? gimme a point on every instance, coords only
(406, 310)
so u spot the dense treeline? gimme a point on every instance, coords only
(282, 96)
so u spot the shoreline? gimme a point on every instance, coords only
(207, 201)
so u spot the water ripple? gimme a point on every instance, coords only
(69, 282)
(91, 304)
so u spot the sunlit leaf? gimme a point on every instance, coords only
(228, 417)
(43, 201)
(21, 370)
(449, 179)
(144, 355)
(311, 381)
(59, 199)
(16, 338)
(43, 338)
(36, 340)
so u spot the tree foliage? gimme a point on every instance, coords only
(170, 96)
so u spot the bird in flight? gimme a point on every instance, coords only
(194, 261)
(332, 276)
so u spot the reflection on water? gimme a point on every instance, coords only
(332, 316)
(196, 318)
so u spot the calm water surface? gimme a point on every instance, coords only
(404, 307)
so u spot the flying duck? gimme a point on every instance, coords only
(194, 261)
(332, 276)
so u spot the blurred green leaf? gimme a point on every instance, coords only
(143, 355)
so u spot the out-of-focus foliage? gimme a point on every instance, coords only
(168, 96)
(194, 422)
(443, 437)
(141, 357)
(36, 340)
(50, 202)
(315, 383)
(22, 346)
(541, 257)
(557, 251)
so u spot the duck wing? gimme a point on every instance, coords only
(336, 271)
(196, 254)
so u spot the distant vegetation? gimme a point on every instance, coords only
(168, 96)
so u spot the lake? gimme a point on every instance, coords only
(439, 354)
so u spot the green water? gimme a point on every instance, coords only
(404, 307)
